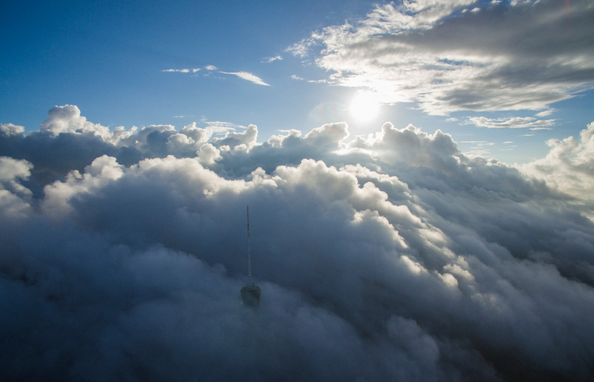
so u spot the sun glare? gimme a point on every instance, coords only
(365, 106)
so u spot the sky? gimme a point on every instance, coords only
(501, 78)
(419, 176)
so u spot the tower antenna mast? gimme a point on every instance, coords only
(250, 282)
(250, 293)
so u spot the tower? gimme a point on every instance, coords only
(250, 293)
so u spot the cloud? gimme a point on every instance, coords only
(14, 197)
(248, 77)
(448, 59)
(219, 127)
(545, 113)
(243, 75)
(512, 123)
(272, 59)
(569, 166)
(10, 129)
(193, 70)
(297, 78)
(394, 255)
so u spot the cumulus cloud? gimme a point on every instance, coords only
(569, 166)
(462, 55)
(395, 256)
(14, 197)
(10, 129)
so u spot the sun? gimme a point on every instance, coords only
(365, 106)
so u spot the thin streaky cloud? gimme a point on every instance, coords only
(185, 70)
(248, 77)
(222, 126)
(545, 113)
(272, 59)
(511, 123)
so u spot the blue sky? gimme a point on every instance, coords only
(108, 58)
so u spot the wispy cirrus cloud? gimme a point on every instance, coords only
(545, 113)
(223, 126)
(298, 78)
(272, 59)
(512, 123)
(462, 55)
(248, 77)
(211, 68)
(193, 70)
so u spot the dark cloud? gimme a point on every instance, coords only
(467, 55)
(391, 257)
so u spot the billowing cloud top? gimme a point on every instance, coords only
(464, 54)
(391, 257)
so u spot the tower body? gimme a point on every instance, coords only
(250, 297)
(250, 293)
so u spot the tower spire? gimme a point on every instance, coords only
(250, 282)
(250, 293)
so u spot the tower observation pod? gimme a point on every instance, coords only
(250, 293)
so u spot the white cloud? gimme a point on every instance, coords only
(569, 166)
(233, 139)
(248, 77)
(428, 52)
(479, 143)
(545, 113)
(14, 197)
(512, 123)
(192, 70)
(297, 78)
(10, 129)
(272, 59)
(67, 119)
(243, 75)
(222, 126)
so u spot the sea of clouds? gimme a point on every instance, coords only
(391, 257)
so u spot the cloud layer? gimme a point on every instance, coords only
(391, 257)
(463, 55)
